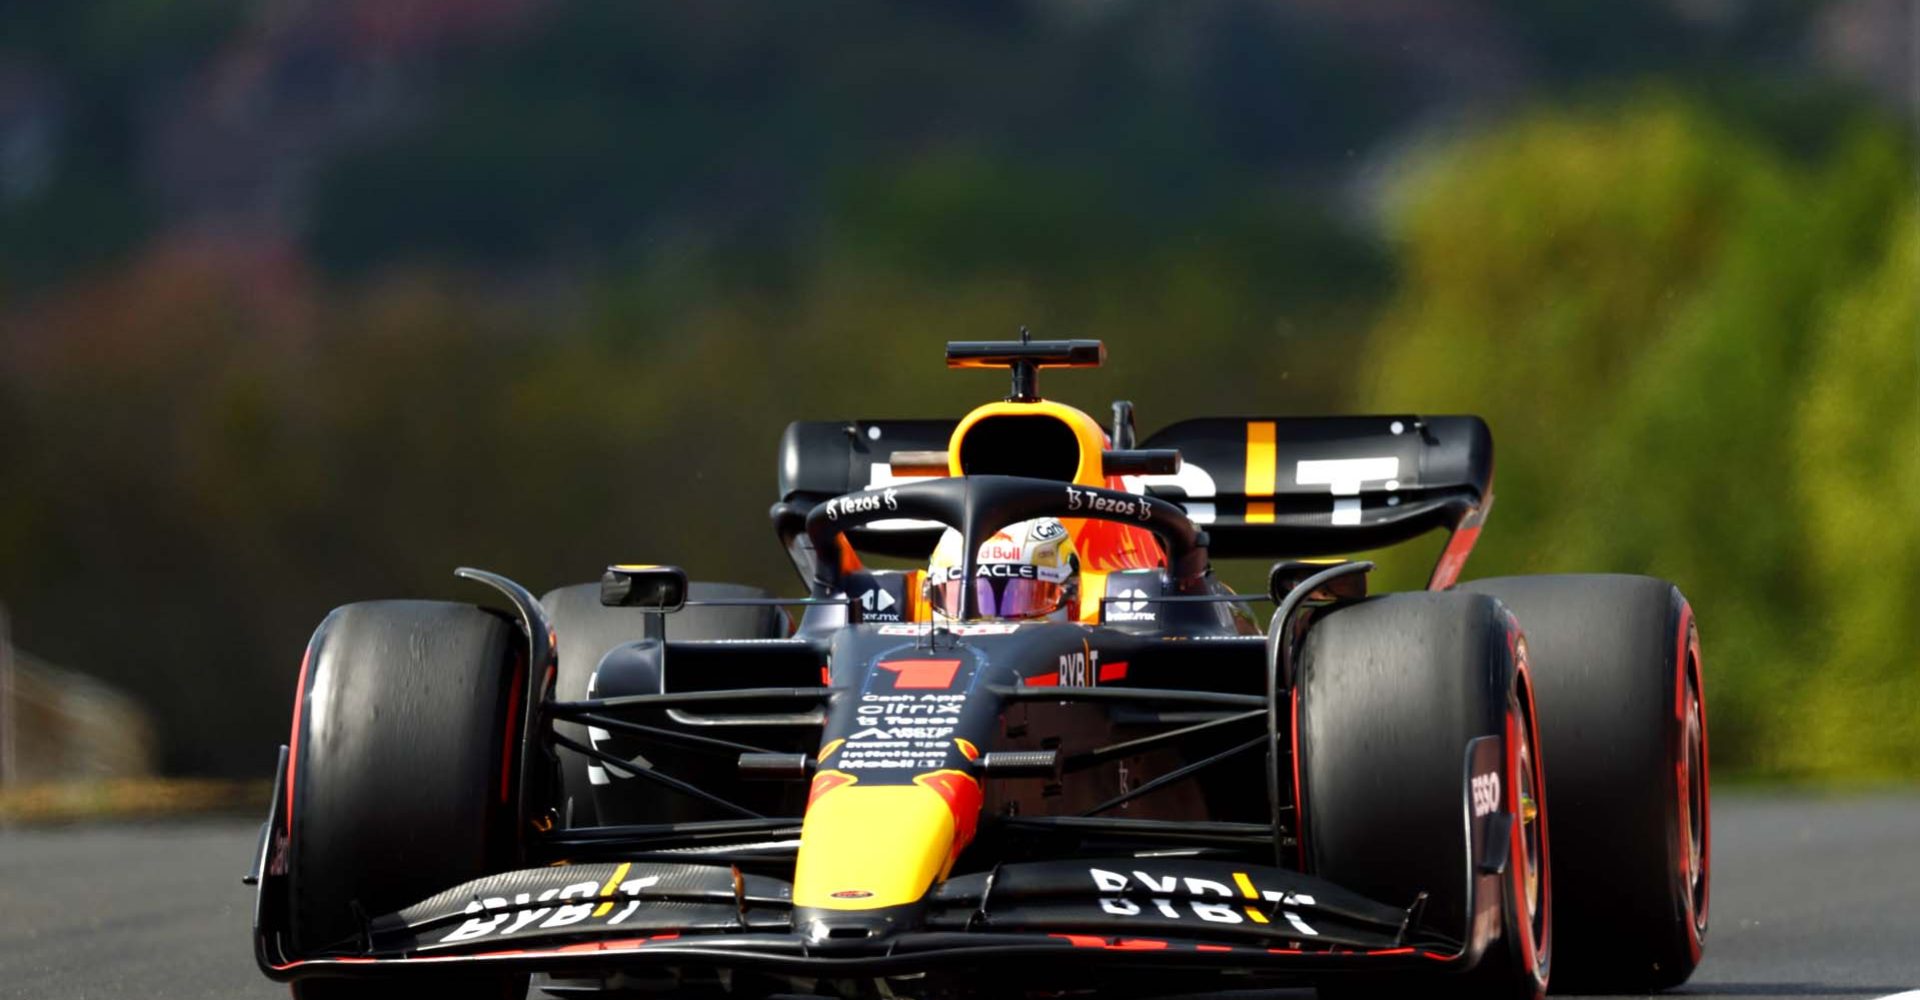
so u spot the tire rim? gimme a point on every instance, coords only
(1693, 799)
(1530, 825)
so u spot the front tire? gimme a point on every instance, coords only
(1390, 694)
(1617, 661)
(400, 777)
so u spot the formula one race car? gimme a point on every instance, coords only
(917, 787)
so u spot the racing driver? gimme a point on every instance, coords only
(1026, 571)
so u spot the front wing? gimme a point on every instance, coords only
(1076, 920)
(1173, 912)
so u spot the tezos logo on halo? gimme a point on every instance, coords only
(1078, 499)
(861, 503)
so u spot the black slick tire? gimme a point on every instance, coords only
(400, 777)
(1389, 694)
(1617, 668)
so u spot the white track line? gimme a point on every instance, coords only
(1908, 995)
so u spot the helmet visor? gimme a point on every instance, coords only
(1000, 598)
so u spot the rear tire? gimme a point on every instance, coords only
(1390, 692)
(1617, 664)
(586, 630)
(400, 776)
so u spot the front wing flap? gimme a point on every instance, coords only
(1173, 911)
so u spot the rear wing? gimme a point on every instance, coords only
(1262, 487)
(1314, 486)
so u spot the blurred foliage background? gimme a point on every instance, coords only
(308, 303)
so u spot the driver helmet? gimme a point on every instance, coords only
(1026, 570)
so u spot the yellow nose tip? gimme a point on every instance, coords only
(863, 847)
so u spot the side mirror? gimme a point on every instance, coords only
(655, 588)
(918, 463)
(1290, 574)
(1141, 462)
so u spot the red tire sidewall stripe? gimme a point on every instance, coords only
(1687, 665)
(293, 738)
(1532, 951)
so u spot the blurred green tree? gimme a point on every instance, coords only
(1640, 301)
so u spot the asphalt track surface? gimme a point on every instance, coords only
(1813, 896)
